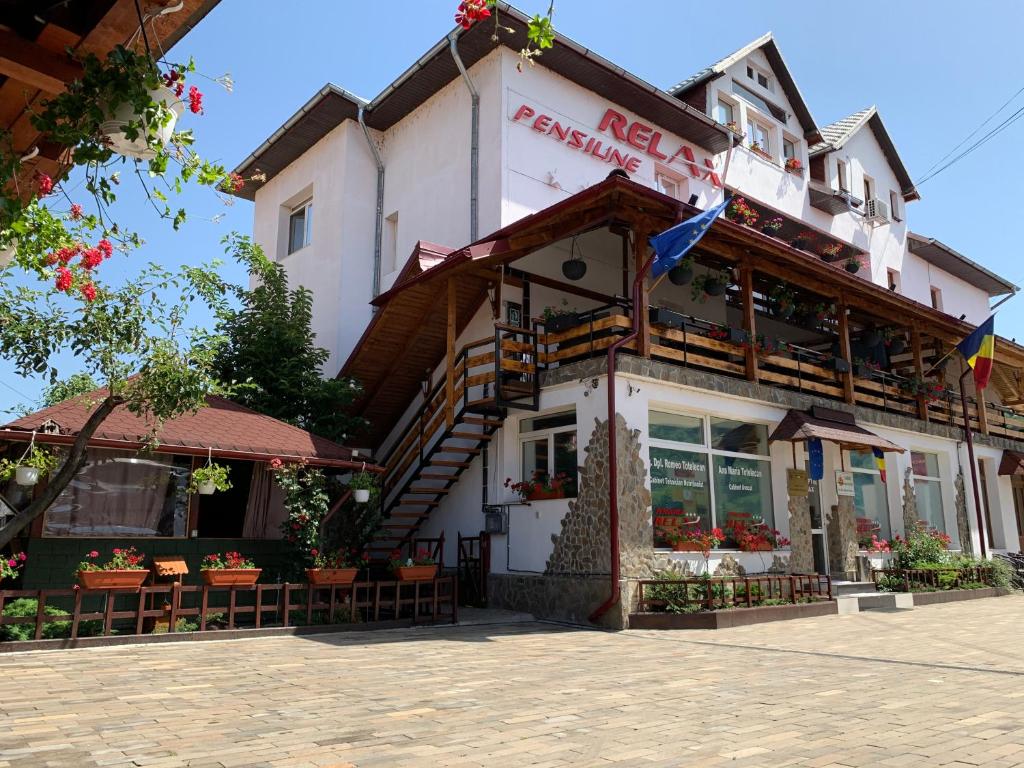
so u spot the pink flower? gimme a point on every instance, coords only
(64, 279)
(45, 184)
(94, 553)
(91, 258)
(195, 100)
(76, 211)
(89, 292)
(13, 563)
(117, 551)
(104, 246)
(22, 556)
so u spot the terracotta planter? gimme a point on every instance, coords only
(541, 495)
(684, 546)
(230, 577)
(759, 548)
(415, 572)
(328, 576)
(126, 579)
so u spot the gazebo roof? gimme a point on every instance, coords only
(222, 428)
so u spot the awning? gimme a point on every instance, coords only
(1012, 463)
(832, 425)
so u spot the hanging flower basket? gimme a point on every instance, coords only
(34, 464)
(26, 475)
(681, 274)
(210, 478)
(115, 129)
(362, 484)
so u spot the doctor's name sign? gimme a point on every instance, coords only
(637, 135)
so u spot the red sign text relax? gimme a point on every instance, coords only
(635, 134)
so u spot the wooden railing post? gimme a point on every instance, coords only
(843, 322)
(979, 404)
(449, 400)
(643, 343)
(915, 347)
(749, 323)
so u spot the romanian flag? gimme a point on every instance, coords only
(879, 461)
(979, 350)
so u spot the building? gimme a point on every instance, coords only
(476, 236)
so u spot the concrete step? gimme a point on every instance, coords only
(841, 588)
(875, 601)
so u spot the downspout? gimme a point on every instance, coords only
(613, 458)
(474, 141)
(378, 232)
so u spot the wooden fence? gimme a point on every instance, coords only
(126, 613)
(703, 594)
(934, 578)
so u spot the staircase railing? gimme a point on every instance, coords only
(516, 370)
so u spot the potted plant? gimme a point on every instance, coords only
(707, 285)
(124, 570)
(541, 486)
(852, 265)
(865, 368)
(362, 484)
(232, 570)
(10, 564)
(421, 567)
(793, 165)
(802, 240)
(560, 318)
(830, 250)
(34, 464)
(755, 147)
(733, 126)
(140, 132)
(772, 226)
(739, 210)
(783, 300)
(753, 535)
(210, 478)
(682, 273)
(339, 567)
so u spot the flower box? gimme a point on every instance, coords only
(540, 494)
(795, 171)
(684, 546)
(758, 546)
(415, 572)
(665, 317)
(761, 152)
(328, 576)
(126, 579)
(230, 577)
(564, 322)
(839, 365)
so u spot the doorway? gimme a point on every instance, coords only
(819, 534)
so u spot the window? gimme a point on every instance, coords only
(300, 227)
(894, 279)
(788, 148)
(670, 184)
(894, 205)
(123, 494)
(759, 135)
(548, 449)
(389, 246)
(762, 104)
(936, 298)
(928, 490)
(759, 77)
(871, 503)
(841, 179)
(725, 112)
(869, 188)
(707, 471)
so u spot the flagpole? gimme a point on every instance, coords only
(974, 468)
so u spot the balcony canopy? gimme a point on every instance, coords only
(829, 424)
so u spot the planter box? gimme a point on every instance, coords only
(685, 547)
(839, 365)
(329, 576)
(541, 495)
(665, 317)
(732, 617)
(127, 579)
(230, 577)
(415, 572)
(561, 323)
(758, 548)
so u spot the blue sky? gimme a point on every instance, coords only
(935, 69)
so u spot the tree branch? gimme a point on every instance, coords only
(74, 462)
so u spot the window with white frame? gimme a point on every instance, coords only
(760, 137)
(760, 77)
(869, 188)
(928, 490)
(707, 471)
(670, 184)
(894, 205)
(300, 226)
(870, 499)
(547, 447)
(788, 148)
(726, 112)
(842, 178)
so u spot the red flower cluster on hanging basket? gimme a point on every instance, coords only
(739, 210)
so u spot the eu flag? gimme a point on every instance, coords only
(672, 244)
(979, 350)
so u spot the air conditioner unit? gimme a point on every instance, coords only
(876, 211)
(495, 520)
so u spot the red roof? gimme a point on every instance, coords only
(223, 428)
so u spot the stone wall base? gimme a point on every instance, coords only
(559, 598)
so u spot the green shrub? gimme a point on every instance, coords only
(27, 606)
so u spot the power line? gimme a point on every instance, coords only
(975, 131)
(15, 391)
(985, 139)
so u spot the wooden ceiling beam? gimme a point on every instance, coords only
(35, 66)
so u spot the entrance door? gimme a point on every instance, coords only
(819, 537)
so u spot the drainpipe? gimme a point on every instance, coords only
(378, 233)
(613, 458)
(474, 141)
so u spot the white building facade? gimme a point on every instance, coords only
(425, 256)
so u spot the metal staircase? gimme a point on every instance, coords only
(457, 417)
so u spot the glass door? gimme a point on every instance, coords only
(819, 539)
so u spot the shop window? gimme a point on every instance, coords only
(123, 494)
(300, 226)
(684, 448)
(548, 448)
(928, 490)
(871, 502)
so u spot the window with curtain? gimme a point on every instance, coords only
(548, 448)
(123, 493)
(871, 503)
(928, 489)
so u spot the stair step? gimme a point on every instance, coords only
(457, 449)
(402, 527)
(486, 402)
(447, 463)
(410, 515)
(424, 491)
(437, 476)
(406, 502)
(468, 436)
(481, 421)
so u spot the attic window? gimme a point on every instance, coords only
(759, 77)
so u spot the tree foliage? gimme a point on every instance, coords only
(271, 354)
(64, 389)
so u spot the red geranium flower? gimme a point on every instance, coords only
(64, 279)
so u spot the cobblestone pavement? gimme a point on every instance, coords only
(937, 686)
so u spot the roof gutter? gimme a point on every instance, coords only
(474, 140)
(378, 231)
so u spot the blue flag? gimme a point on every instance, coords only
(815, 458)
(672, 244)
